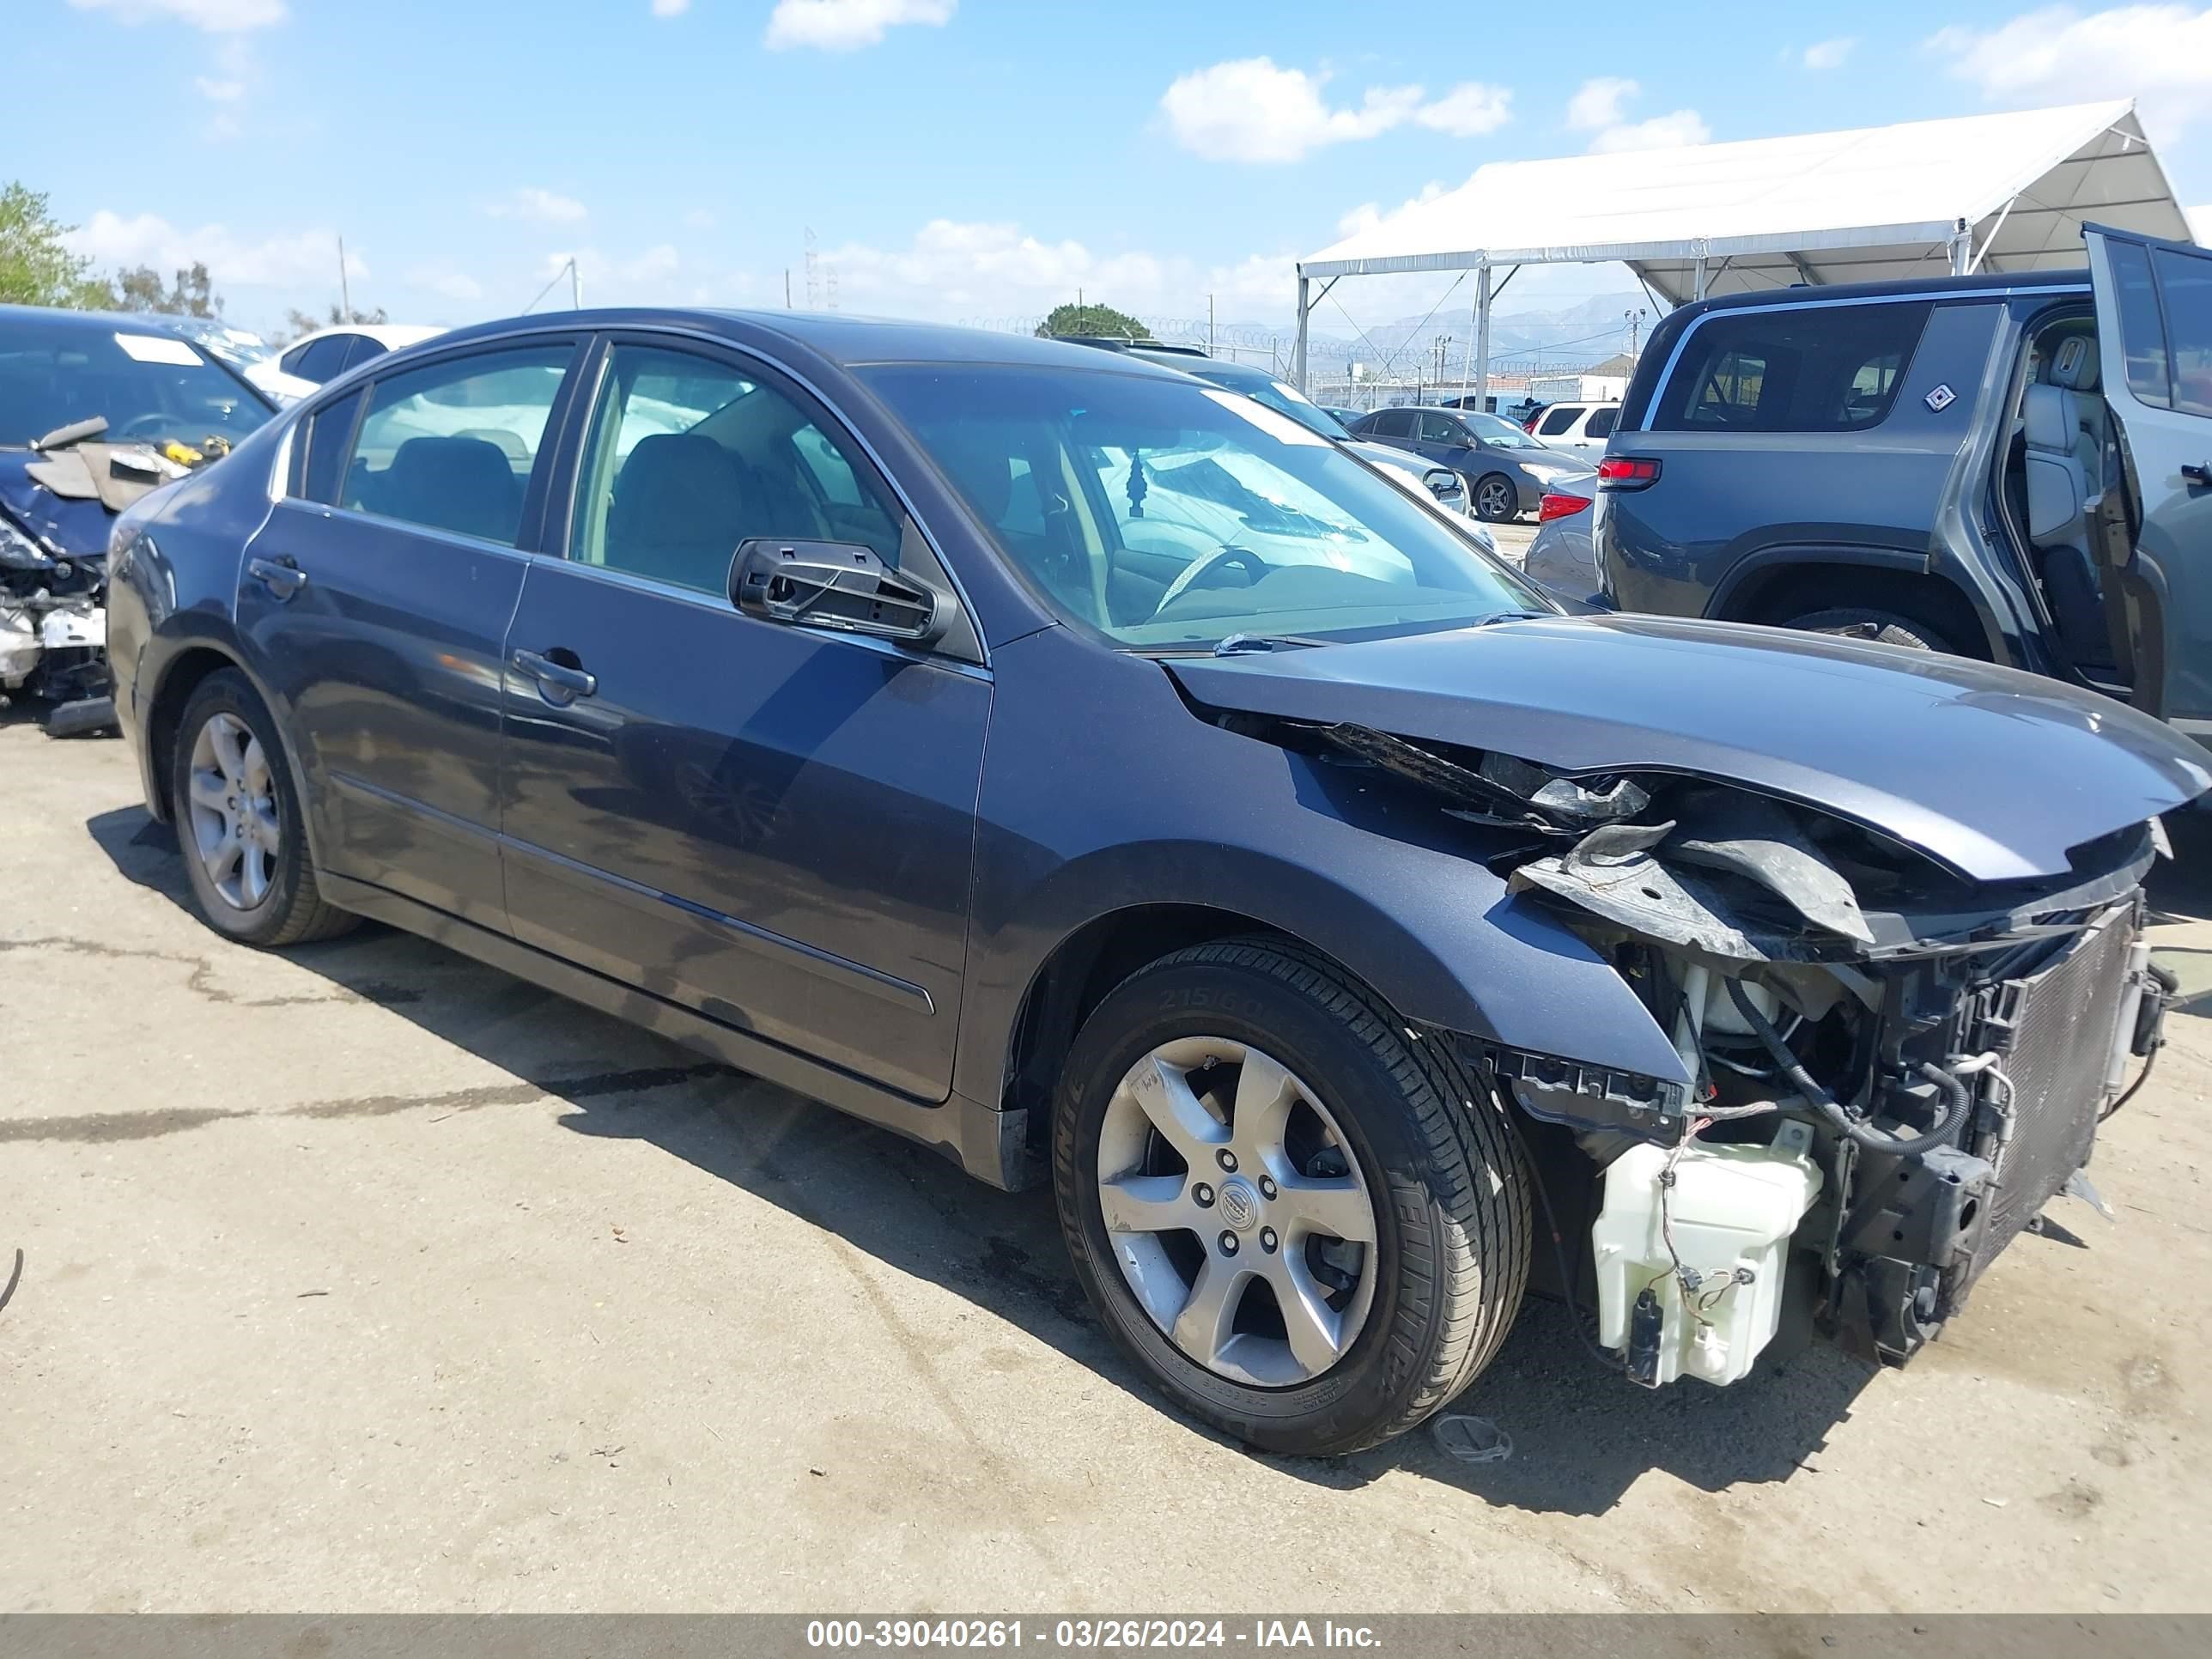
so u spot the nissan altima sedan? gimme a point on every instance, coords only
(1099, 776)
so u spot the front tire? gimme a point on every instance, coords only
(1307, 1226)
(1496, 499)
(237, 812)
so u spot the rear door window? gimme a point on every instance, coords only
(1391, 423)
(450, 446)
(320, 360)
(1817, 368)
(1601, 424)
(1558, 419)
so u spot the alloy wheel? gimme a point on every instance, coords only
(1237, 1213)
(236, 829)
(1494, 499)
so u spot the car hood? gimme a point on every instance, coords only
(78, 528)
(1994, 773)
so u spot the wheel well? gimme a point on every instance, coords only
(1076, 977)
(1783, 591)
(178, 684)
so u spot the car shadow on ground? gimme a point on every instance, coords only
(1581, 1433)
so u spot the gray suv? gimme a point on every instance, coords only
(2017, 468)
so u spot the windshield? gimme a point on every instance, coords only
(1499, 432)
(150, 386)
(1286, 399)
(1171, 515)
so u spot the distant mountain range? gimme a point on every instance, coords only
(1581, 333)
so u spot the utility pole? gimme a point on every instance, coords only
(1209, 330)
(1635, 328)
(575, 285)
(787, 287)
(345, 294)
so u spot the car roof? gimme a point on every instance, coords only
(390, 335)
(1993, 283)
(841, 337)
(93, 322)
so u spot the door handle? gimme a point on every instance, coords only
(280, 576)
(558, 681)
(2198, 472)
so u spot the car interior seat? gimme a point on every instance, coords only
(679, 509)
(464, 485)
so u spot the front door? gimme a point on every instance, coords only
(375, 603)
(769, 825)
(2154, 523)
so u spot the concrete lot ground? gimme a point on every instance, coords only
(360, 1278)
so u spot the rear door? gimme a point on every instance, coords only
(375, 600)
(2154, 524)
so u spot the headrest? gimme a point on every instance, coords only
(2073, 365)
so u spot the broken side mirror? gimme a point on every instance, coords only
(838, 585)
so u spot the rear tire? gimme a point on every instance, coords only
(1419, 1311)
(238, 824)
(1884, 626)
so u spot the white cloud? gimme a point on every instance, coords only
(641, 279)
(671, 8)
(1829, 54)
(982, 271)
(699, 219)
(2200, 222)
(452, 284)
(308, 257)
(847, 25)
(1250, 109)
(2162, 54)
(1468, 110)
(1600, 106)
(216, 16)
(219, 91)
(1682, 126)
(540, 206)
(1599, 102)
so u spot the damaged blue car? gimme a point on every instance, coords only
(95, 410)
(1104, 780)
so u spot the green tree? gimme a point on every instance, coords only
(192, 295)
(1092, 319)
(36, 266)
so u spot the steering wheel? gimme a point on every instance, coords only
(1221, 557)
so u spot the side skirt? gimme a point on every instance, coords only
(988, 1144)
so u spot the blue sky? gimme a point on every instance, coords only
(971, 160)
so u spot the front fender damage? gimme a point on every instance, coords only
(1887, 1068)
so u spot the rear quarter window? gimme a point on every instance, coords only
(1820, 368)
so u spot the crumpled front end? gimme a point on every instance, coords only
(1887, 1068)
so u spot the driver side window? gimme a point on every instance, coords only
(689, 456)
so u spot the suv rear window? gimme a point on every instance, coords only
(1809, 369)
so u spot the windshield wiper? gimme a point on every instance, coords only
(1236, 645)
(1512, 616)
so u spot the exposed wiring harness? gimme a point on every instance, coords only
(1958, 1100)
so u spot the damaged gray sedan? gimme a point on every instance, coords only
(1077, 768)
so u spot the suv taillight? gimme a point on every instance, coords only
(1626, 473)
(1558, 505)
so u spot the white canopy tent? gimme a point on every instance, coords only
(1978, 193)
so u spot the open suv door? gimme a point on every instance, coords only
(2153, 522)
